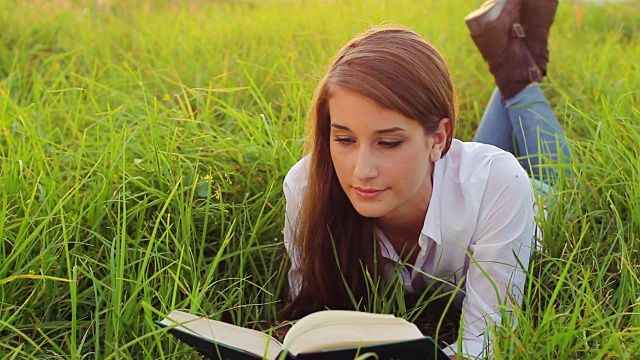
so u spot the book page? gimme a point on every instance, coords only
(238, 337)
(334, 329)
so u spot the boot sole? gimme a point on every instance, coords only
(488, 12)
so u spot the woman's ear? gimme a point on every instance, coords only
(439, 139)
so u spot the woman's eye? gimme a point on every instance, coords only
(344, 141)
(390, 144)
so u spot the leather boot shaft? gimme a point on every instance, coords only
(496, 30)
(537, 17)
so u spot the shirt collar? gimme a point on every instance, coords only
(431, 226)
(386, 249)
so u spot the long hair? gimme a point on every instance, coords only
(336, 245)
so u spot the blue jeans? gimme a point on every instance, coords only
(525, 126)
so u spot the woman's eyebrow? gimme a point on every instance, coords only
(390, 130)
(381, 131)
(339, 127)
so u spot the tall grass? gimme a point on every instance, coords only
(143, 146)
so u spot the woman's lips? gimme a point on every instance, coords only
(368, 193)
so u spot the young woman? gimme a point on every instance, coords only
(386, 187)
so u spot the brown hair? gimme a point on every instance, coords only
(399, 70)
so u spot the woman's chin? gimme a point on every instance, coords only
(370, 211)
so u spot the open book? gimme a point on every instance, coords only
(330, 334)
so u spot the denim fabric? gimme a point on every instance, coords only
(525, 126)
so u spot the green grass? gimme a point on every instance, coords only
(142, 151)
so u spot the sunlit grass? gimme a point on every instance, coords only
(143, 147)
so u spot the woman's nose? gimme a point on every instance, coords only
(365, 165)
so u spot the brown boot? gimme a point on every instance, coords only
(495, 29)
(537, 17)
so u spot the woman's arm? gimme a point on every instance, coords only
(294, 187)
(499, 252)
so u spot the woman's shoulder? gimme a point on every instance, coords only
(298, 174)
(475, 170)
(472, 159)
(470, 149)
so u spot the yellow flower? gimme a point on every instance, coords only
(166, 97)
(208, 178)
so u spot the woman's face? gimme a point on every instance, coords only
(383, 159)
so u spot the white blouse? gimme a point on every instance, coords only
(477, 236)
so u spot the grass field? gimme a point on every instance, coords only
(143, 147)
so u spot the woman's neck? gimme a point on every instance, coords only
(403, 228)
(404, 237)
